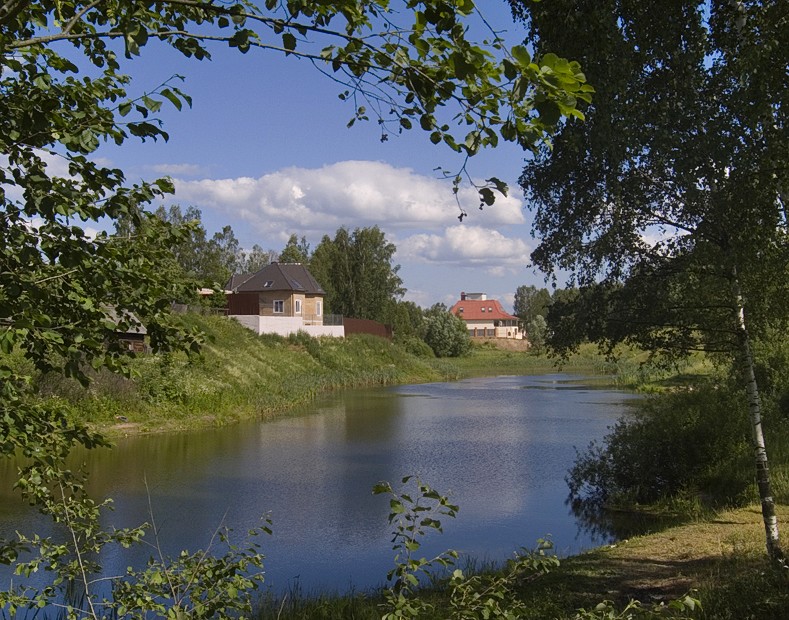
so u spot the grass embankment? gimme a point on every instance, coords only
(630, 369)
(238, 375)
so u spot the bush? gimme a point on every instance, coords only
(693, 442)
(415, 346)
(447, 335)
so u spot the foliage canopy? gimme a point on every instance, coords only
(668, 205)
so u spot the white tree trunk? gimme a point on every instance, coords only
(755, 417)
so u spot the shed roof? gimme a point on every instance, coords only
(292, 277)
(133, 325)
(481, 309)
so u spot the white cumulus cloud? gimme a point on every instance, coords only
(349, 193)
(467, 245)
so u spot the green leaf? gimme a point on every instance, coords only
(171, 97)
(151, 104)
(549, 112)
(289, 41)
(486, 196)
(521, 54)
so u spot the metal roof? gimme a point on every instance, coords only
(293, 277)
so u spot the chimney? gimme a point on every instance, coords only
(463, 296)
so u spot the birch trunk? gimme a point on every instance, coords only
(755, 417)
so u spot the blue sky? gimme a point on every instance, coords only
(265, 149)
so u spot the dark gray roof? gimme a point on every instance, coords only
(292, 277)
(237, 280)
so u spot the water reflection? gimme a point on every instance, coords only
(599, 522)
(500, 445)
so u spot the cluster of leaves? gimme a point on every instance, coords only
(413, 515)
(621, 199)
(209, 261)
(684, 608)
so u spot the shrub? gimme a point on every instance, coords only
(691, 442)
(415, 346)
(447, 335)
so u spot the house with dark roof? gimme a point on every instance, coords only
(485, 317)
(281, 298)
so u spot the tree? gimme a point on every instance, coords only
(669, 203)
(256, 259)
(210, 262)
(357, 273)
(537, 331)
(406, 319)
(531, 302)
(295, 251)
(446, 334)
(227, 251)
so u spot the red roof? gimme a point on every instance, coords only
(478, 310)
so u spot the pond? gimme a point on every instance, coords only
(500, 446)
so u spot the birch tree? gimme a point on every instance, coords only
(669, 203)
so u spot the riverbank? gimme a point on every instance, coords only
(720, 561)
(240, 376)
(237, 376)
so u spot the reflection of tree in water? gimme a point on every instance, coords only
(606, 523)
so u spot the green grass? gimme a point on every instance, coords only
(720, 560)
(238, 375)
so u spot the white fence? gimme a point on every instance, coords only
(285, 325)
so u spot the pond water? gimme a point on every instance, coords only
(501, 446)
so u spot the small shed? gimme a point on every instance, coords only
(129, 330)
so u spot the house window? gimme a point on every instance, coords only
(298, 306)
(318, 308)
(460, 310)
(490, 309)
(279, 306)
(268, 283)
(483, 309)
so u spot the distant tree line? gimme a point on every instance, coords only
(355, 268)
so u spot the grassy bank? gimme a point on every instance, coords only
(631, 368)
(238, 375)
(721, 561)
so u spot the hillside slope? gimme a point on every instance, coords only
(237, 375)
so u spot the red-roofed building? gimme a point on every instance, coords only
(485, 317)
